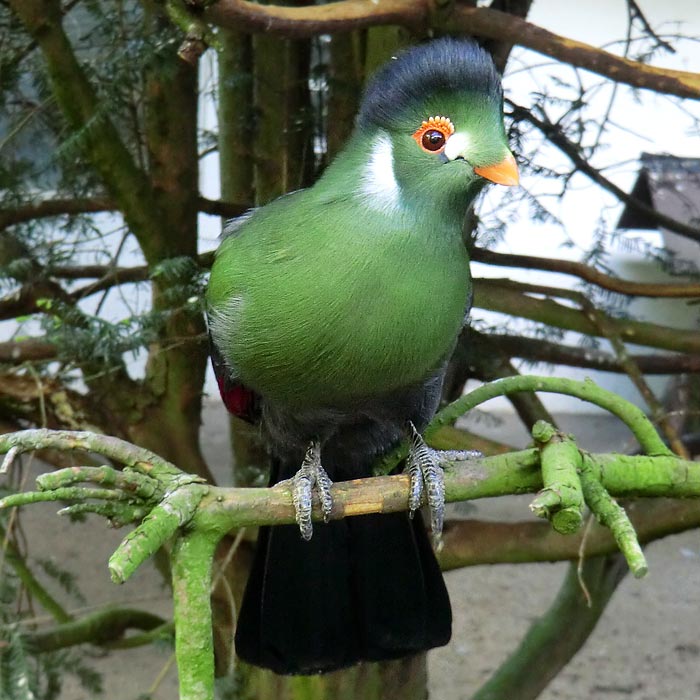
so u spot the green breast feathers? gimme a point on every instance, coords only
(327, 301)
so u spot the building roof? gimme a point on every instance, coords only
(668, 184)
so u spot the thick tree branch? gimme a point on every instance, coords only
(46, 208)
(497, 25)
(421, 14)
(587, 273)
(27, 299)
(499, 48)
(332, 17)
(513, 298)
(538, 350)
(227, 210)
(54, 207)
(31, 350)
(221, 509)
(475, 542)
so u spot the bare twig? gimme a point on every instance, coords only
(555, 134)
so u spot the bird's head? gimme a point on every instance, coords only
(432, 120)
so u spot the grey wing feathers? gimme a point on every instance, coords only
(233, 226)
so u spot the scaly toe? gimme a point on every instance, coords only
(427, 477)
(310, 475)
(323, 484)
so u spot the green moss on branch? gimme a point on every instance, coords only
(561, 500)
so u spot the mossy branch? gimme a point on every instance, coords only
(561, 499)
(613, 516)
(479, 542)
(558, 634)
(587, 391)
(513, 298)
(197, 515)
(105, 627)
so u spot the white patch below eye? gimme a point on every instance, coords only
(457, 146)
(378, 185)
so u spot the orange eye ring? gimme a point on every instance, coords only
(432, 134)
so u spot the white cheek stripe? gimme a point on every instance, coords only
(457, 145)
(378, 186)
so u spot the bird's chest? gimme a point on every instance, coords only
(355, 327)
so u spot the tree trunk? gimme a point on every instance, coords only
(405, 679)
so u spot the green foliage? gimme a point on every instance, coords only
(17, 680)
(24, 674)
(183, 281)
(82, 339)
(65, 579)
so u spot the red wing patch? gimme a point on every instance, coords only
(239, 400)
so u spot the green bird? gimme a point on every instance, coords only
(333, 312)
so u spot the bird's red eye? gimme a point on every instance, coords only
(433, 140)
(432, 134)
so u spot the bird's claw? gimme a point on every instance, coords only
(424, 466)
(427, 478)
(311, 475)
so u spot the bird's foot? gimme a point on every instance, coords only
(424, 466)
(311, 475)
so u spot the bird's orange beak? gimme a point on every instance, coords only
(503, 173)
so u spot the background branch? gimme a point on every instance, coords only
(508, 297)
(555, 134)
(585, 272)
(348, 15)
(30, 211)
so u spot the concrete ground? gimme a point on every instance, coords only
(646, 647)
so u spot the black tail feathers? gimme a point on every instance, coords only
(366, 588)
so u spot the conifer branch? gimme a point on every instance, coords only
(59, 206)
(44, 209)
